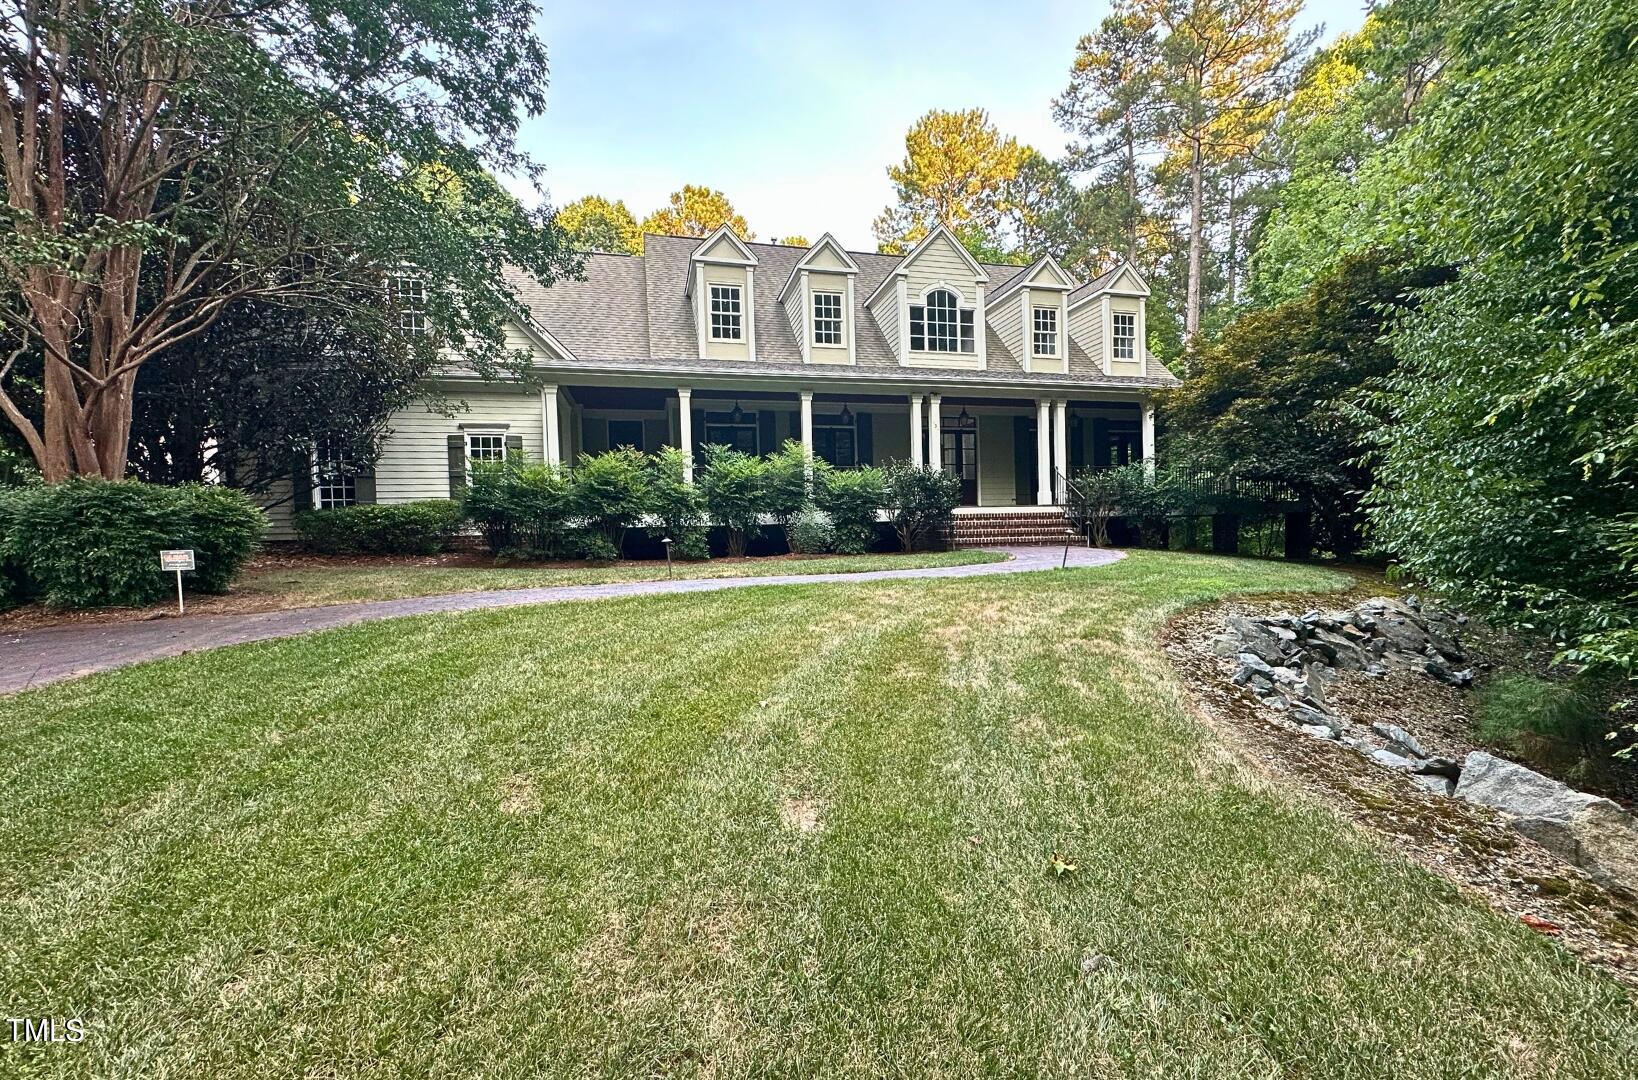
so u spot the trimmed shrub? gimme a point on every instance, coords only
(811, 532)
(522, 507)
(13, 590)
(610, 492)
(96, 543)
(921, 503)
(852, 497)
(785, 480)
(412, 528)
(679, 506)
(593, 546)
(733, 484)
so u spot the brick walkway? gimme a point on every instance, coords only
(35, 657)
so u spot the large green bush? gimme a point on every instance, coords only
(735, 490)
(611, 492)
(852, 498)
(788, 476)
(522, 507)
(413, 528)
(12, 586)
(921, 503)
(679, 506)
(811, 532)
(96, 543)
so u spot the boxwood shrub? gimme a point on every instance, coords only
(411, 528)
(96, 543)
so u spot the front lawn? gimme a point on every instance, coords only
(776, 832)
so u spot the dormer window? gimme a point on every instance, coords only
(410, 296)
(1045, 341)
(725, 313)
(1125, 335)
(941, 324)
(827, 318)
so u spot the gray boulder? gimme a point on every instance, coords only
(1393, 760)
(1318, 731)
(1606, 840)
(1449, 768)
(1585, 829)
(1511, 788)
(1438, 785)
(1400, 741)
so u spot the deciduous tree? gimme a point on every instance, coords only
(593, 223)
(955, 173)
(696, 211)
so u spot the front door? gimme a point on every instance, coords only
(961, 458)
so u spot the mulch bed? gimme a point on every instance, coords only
(1469, 845)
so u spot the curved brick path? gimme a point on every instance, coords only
(36, 657)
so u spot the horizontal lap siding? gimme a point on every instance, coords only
(414, 462)
(997, 470)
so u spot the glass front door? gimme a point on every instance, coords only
(961, 458)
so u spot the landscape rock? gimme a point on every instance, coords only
(1606, 840)
(1587, 830)
(1318, 731)
(1399, 740)
(1449, 768)
(1513, 789)
(1392, 760)
(1439, 785)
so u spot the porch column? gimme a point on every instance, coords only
(915, 430)
(1043, 453)
(1060, 449)
(548, 421)
(935, 432)
(685, 431)
(1148, 448)
(807, 429)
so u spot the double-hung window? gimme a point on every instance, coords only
(1125, 335)
(410, 295)
(1046, 331)
(827, 318)
(334, 484)
(486, 446)
(725, 313)
(941, 324)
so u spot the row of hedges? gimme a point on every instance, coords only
(413, 528)
(96, 543)
(531, 509)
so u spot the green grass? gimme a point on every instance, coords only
(565, 841)
(339, 584)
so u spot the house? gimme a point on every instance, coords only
(1007, 376)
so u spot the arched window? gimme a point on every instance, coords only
(941, 324)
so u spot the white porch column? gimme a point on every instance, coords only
(685, 431)
(1060, 449)
(1043, 453)
(1148, 447)
(548, 420)
(935, 434)
(915, 430)
(807, 429)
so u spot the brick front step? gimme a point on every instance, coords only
(1011, 529)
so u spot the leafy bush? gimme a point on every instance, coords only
(921, 503)
(852, 498)
(786, 480)
(734, 487)
(1096, 496)
(593, 546)
(96, 543)
(411, 528)
(13, 588)
(521, 506)
(678, 505)
(1523, 712)
(611, 492)
(811, 532)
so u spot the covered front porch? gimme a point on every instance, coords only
(1009, 449)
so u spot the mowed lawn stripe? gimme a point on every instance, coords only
(777, 832)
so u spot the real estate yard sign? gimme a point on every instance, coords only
(178, 560)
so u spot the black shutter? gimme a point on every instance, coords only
(767, 441)
(457, 465)
(364, 487)
(865, 438)
(301, 482)
(514, 445)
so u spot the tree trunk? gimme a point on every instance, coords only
(1233, 240)
(1191, 313)
(1131, 193)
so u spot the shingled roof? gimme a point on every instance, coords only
(632, 309)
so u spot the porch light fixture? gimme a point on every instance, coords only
(846, 415)
(737, 415)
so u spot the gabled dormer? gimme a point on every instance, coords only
(931, 307)
(818, 300)
(1107, 318)
(720, 286)
(1030, 314)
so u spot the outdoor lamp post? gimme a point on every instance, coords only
(666, 540)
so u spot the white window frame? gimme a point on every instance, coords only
(962, 330)
(1044, 339)
(483, 433)
(730, 310)
(410, 294)
(827, 327)
(324, 493)
(1119, 341)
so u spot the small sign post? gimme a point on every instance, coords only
(178, 560)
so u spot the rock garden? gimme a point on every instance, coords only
(1369, 707)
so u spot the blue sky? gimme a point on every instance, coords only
(795, 110)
